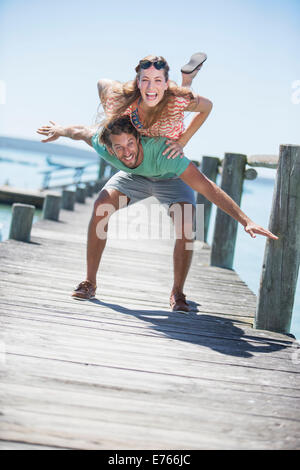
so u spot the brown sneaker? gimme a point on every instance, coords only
(84, 291)
(178, 303)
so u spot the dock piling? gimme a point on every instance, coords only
(80, 194)
(51, 207)
(89, 189)
(209, 167)
(68, 199)
(225, 230)
(282, 257)
(21, 222)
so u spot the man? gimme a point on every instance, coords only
(172, 181)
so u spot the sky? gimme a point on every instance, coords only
(53, 54)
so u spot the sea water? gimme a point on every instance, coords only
(256, 202)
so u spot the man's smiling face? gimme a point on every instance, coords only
(126, 148)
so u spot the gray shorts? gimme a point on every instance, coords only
(166, 191)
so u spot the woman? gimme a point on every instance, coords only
(157, 105)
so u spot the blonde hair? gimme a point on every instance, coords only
(127, 93)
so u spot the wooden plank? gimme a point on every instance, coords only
(11, 195)
(264, 161)
(113, 421)
(115, 372)
(10, 445)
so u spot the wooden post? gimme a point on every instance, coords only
(102, 166)
(225, 231)
(250, 174)
(80, 194)
(21, 222)
(100, 183)
(209, 167)
(94, 186)
(51, 206)
(89, 189)
(112, 170)
(282, 257)
(68, 199)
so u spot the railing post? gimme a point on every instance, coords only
(99, 184)
(282, 256)
(89, 189)
(113, 170)
(80, 194)
(21, 222)
(93, 186)
(68, 199)
(51, 207)
(225, 230)
(209, 167)
(102, 165)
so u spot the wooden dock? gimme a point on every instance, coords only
(11, 195)
(122, 371)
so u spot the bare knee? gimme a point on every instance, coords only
(103, 205)
(182, 215)
(102, 211)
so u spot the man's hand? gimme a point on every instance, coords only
(173, 150)
(53, 131)
(78, 132)
(252, 229)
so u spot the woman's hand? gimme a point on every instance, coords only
(53, 131)
(174, 149)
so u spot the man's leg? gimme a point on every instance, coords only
(108, 202)
(182, 215)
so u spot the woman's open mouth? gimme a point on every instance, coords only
(151, 96)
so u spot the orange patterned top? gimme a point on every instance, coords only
(170, 125)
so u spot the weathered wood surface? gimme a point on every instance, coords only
(52, 206)
(21, 222)
(266, 161)
(209, 166)
(68, 199)
(11, 195)
(225, 230)
(122, 371)
(282, 258)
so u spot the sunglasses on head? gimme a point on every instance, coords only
(158, 64)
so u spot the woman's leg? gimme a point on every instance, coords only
(190, 70)
(187, 78)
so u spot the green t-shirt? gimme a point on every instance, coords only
(154, 164)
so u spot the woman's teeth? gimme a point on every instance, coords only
(151, 96)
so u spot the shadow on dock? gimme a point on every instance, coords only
(210, 331)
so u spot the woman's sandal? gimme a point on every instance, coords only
(195, 61)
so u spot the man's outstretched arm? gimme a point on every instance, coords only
(200, 183)
(54, 131)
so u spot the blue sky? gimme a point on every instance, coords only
(52, 54)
